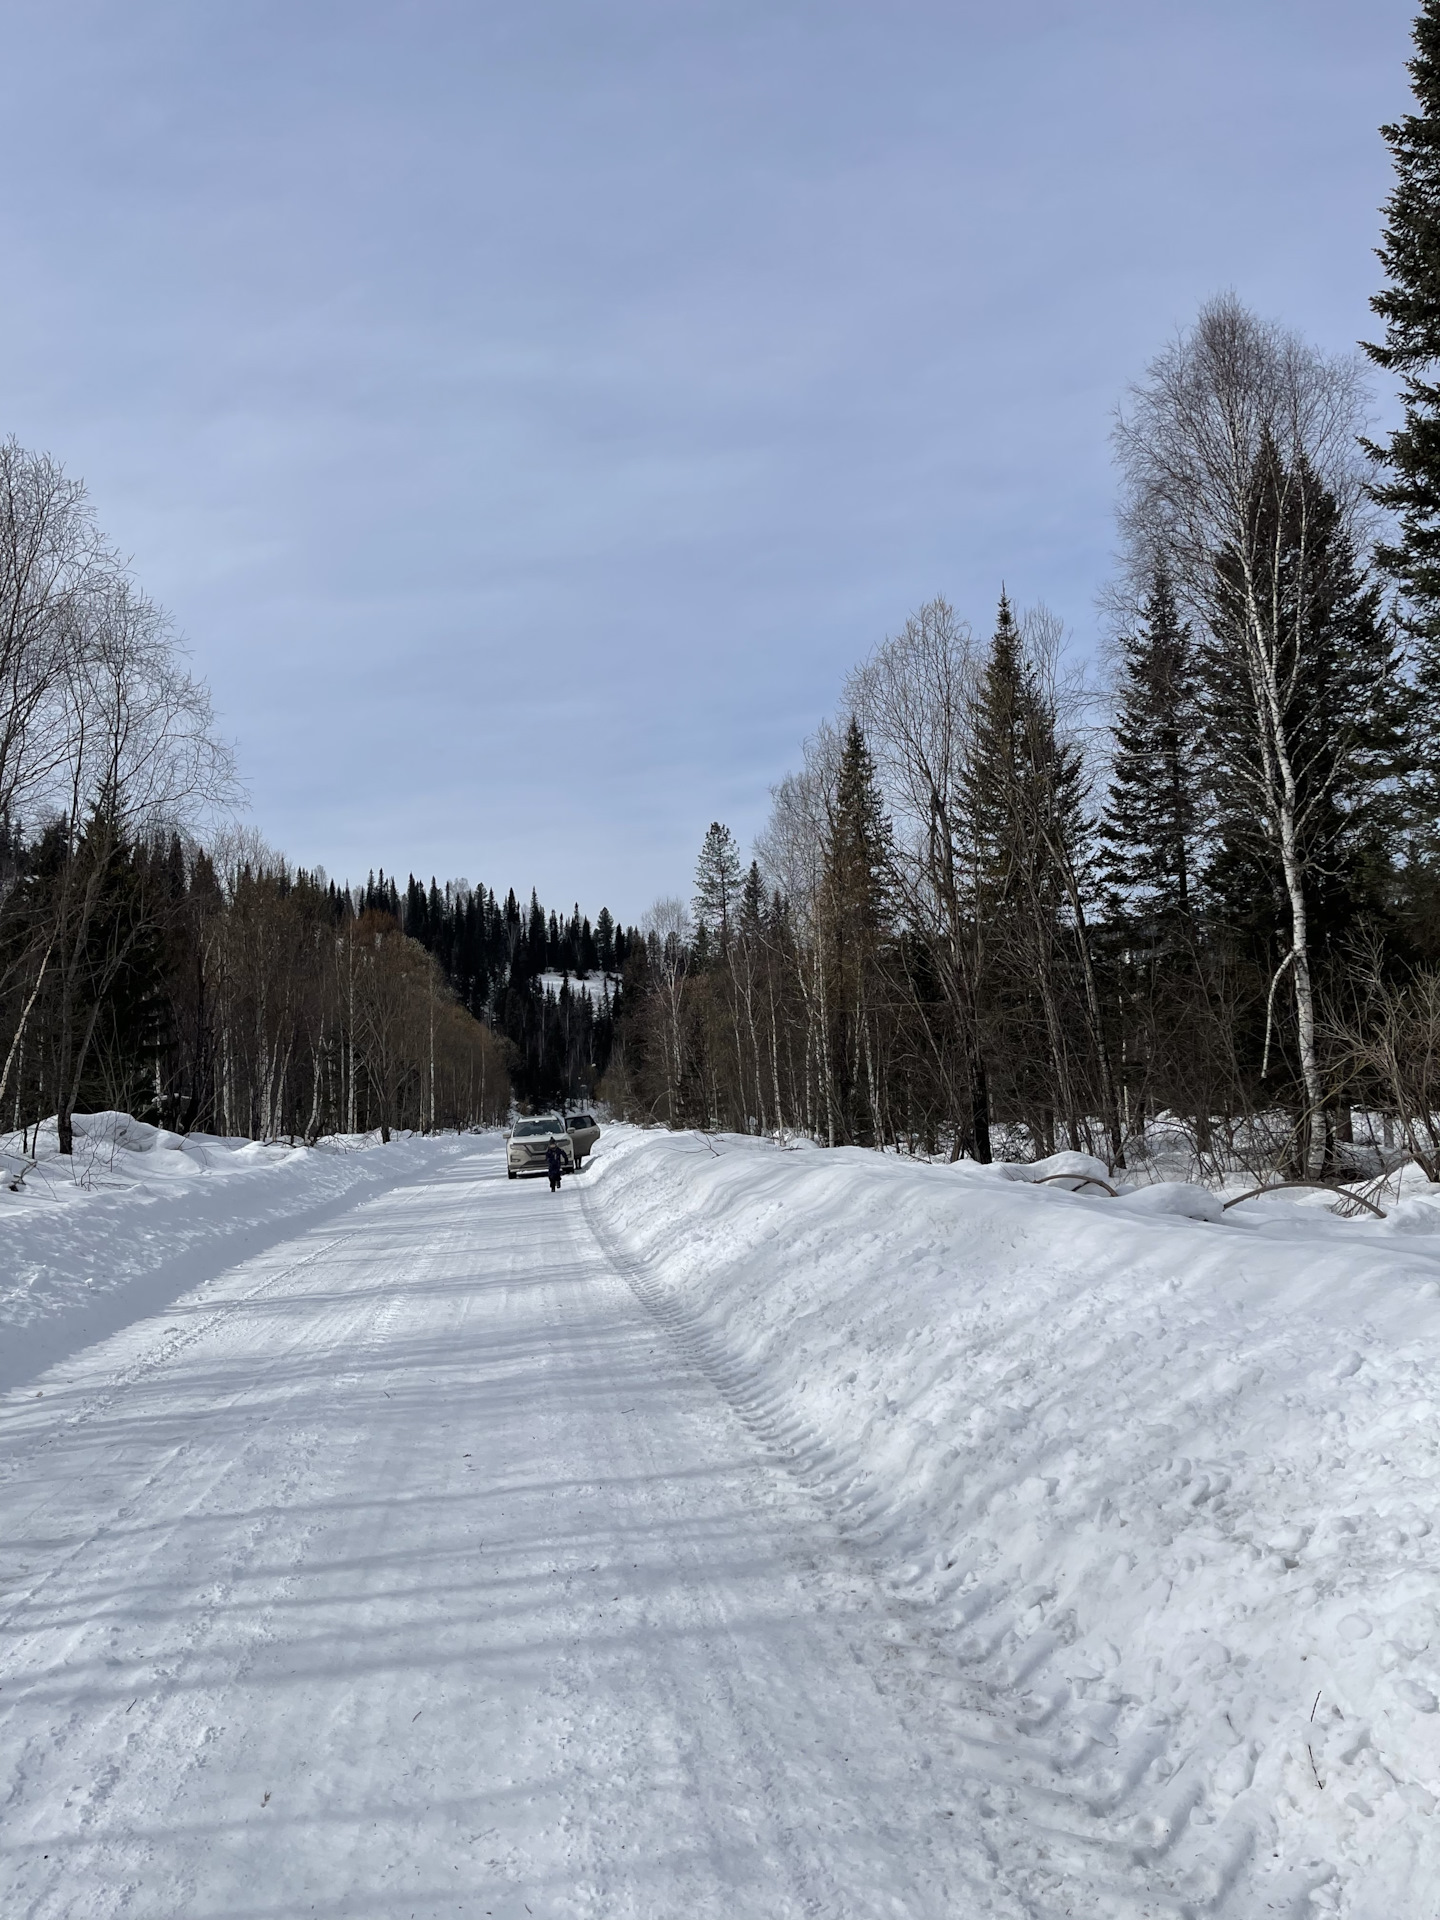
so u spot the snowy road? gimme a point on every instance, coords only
(414, 1568)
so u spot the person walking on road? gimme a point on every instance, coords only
(554, 1165)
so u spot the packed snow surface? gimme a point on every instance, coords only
(138, 1215)
(739, 1531)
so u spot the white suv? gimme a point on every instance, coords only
(531, 1140)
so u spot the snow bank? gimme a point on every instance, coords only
(1162, 1480)
(140, 1215)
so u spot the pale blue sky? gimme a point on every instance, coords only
(515, 399)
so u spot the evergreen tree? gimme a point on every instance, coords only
(858, 853)
(1151, 853)
(857, 893)
(752, 903)
(1024, 790)
(1410, 308)
(1153, 814)
(717, 884)
(605, 941)
(1410, 461)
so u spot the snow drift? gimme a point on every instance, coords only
(1162, 1480)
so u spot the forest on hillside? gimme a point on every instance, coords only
(1002, 906)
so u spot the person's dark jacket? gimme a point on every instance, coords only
(554, 1160)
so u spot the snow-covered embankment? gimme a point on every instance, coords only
(1163, 1485)
(139, 1216)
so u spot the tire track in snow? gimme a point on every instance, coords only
(720, 1708)
(167, 1711)
(96, 1404)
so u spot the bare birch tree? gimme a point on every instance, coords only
(141, 755)
(916, 700)
(52, 563)
(791, 854)
(667, 938)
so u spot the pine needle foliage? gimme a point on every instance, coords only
(1154, 808)
(718, 876)
(1410, 307)
(858, 855)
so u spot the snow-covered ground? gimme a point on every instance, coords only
(593, 985)
(1157, 1482)
(741, 1531)
(138, 1216)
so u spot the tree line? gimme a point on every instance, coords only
(549, 985)
(1000, 909)
(155, 959)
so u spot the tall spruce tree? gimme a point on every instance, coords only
(1153, 813)
(858, 854)
(605, 940)
(1152, 850)
(1410, 307)
(857, 892)
(1023, 785)
(1409, 462)
(1025, 793)
(1013, 907)
(752, 903)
